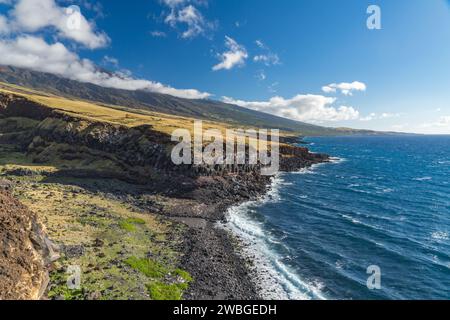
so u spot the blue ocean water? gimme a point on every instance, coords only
(385, 201)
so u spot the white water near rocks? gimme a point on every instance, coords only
(272, 277)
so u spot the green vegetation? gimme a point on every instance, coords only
(91, 226)
(162, 291)
(97, 228)
(156, 272)
(184, 275)
(63, 291)
(150, 268)
(130, 224)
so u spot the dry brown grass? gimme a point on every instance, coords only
(117, 114)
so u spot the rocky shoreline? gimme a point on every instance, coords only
(197, 197)
(213, 254)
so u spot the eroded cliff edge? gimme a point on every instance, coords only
(26, 252)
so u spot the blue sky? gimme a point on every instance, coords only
(273, 56)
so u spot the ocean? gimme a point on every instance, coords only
(383, 201)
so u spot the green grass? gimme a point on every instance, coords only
(150, 268)
(162, 291)
(184, 275)
(63, 291)
(75, 213)
(157, 289)
(130, 224)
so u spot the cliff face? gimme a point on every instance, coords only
(25, 252)
(137, 151)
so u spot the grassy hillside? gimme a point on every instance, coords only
(109, 113)
(156, 105)
(114, 114)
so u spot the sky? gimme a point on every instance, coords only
(312, 61)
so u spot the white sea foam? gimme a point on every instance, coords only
(273, 278)
(355, 221)
(423, 179)
(440, 235)
(337, 160)
(312, 169)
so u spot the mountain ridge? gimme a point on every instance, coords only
(150, 101)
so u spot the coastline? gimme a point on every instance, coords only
(272, 279)
(95, 164)
(225, 264)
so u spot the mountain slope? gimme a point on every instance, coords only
(199, 109)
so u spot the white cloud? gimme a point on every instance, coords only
(174, 3)
(184, 12)
(261, 75)
(370, 117)
(268, 58)
(107, 60)
(387, 115)
(33, 16)
(235, 56)
(308, 108)
(443, 122)
(260, 44)
(34, 53)
(23, 45)
(375, 116)
(272, 88)
(4, 26)
(345, 87)
(158, 34)
(399, 127)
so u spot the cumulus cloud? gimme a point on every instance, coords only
(33, 16)
(23, 44)
(345, 88)
(307, 108)
(36, 54)
(235, 56)
(186, 13)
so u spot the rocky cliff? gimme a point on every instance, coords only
(138, 151)
(25, 252)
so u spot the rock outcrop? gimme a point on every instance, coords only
(25, 252)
